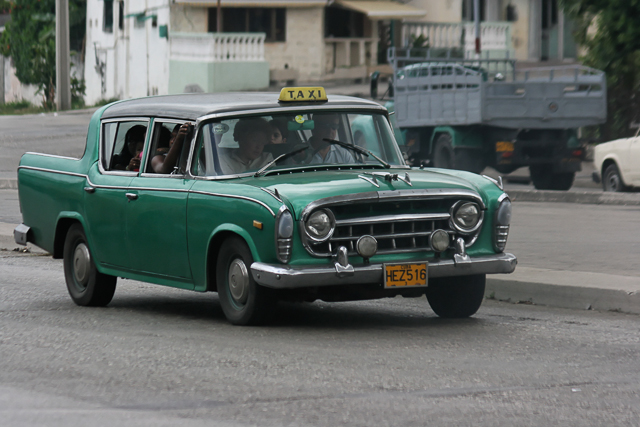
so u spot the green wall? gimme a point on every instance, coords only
(218, 76)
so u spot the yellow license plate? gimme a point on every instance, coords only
(502, 146)
(405, 275)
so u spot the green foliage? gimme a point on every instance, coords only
(610, 32)
(29, 39)
(19, 107)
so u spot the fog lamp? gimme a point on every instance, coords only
(439, 240)
(367, 246)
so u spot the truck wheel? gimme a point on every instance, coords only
(611, 179)
(443, 152)
(544, 179)
(466, 159)
(243, 301)
(456, 297)
(86, 285)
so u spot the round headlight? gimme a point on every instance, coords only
(466, 217)
(320, 224)
(503, 216)
(367, 246)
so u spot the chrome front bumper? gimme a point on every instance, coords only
(291, 277)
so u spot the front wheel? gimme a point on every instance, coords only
(86, 285)
(243, 301)
(456, 297)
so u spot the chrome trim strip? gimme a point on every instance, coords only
(497, 182)
(52, 171)
(393, 218)
(372, 181)
(292, 277)
(295, 108)
(101, 145)
(264, 205)
(271, 193)
(52, 155)
(505, 196)
(114, 187)
(392, 195)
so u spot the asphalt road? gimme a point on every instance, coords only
(158, 356)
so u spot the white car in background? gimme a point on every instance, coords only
(617, 164)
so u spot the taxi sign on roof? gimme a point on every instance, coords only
(306, 94)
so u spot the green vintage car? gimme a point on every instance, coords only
(262, 198)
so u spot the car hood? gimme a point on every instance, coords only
(299, 189)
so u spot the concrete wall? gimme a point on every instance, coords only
(303, 49)
(129, 62)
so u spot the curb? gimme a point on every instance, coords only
(581, 197)
(560, 296)
(566, 289)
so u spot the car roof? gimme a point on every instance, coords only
(193, 106)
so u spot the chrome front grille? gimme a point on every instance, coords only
(399, 225)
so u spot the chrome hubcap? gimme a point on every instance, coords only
(239, 281)
(614, 182)
(81, 263)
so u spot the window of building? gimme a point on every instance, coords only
(107, 16)
(467, 10)
(121, 15)
(341, 22)
(271, 21)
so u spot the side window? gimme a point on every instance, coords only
(121, 142)
(169, 148)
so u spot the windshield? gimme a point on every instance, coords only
(246, 144)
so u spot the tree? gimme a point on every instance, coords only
(610, 32)
(29, 39)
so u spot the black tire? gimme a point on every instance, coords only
(86, 285)
(466, 159)
(456, 297)
(243, 301)
(544, 179)
(612, 180)
(443, 155)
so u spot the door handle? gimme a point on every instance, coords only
(131, 196)
(89, 189)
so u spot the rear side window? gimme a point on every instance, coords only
(122, 141)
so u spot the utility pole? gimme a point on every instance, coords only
(1, 80)
(219, 18)
(63, 58)
(476, 22)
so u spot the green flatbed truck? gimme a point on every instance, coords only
(457, 113)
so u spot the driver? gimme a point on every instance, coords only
(252, 135)
(326, 126)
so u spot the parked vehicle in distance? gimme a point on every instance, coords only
(323, 208)
(617, 164)
(470, 113)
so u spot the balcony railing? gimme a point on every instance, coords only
(217, 47)
(494, 36)
(345, 53)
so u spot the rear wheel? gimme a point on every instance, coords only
(86, 285)
(612, 180)
(243, 301)
(544, 179)
(456, 297)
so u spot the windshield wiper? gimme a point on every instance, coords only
(357, 149)
(280, 157)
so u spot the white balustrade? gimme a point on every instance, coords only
(217, 47)
(493, 35)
